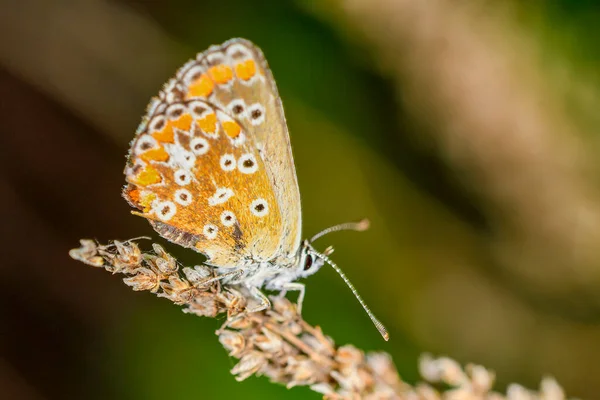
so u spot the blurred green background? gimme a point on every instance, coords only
(466, 131)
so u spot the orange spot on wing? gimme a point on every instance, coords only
(164, 135)
(146, 201)
(134, 195)
(141, 199)
(232, 129)
(246, 69)
(147, 177)
(221, 73)
(209, 123)
(159, 154)
(201, 87)
(184, 122)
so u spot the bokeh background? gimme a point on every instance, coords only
(466, 131)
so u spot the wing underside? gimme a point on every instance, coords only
(211, 166)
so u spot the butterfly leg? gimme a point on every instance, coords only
(263, 305)
(232, 274)
(297, 287)
(260, 296)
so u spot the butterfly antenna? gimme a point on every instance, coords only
(376, 322)
(359, 226)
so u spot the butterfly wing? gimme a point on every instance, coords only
(211, 166)
(270, 134)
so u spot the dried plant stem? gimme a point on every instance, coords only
(279, 344)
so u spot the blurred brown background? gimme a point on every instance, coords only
(466, 131)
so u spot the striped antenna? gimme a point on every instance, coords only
(376, 322)
(359, 226)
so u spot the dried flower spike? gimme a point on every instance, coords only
(279, 344)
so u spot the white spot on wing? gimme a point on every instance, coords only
(256, 114)
(227, 218)
(164, 210)
(227, 162)
(183, 177)
(220, 196)
(199, 146)
(145, 143)
(183, 197)
(247, 164)
(175, 111)
(237, 108)
(210, 231)
(156, 124)
(198, 109)
(259, 207)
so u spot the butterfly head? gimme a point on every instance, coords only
(308, 262)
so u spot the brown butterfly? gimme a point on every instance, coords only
(211, 168)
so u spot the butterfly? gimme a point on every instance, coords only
(211, 169)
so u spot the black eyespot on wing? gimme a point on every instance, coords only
(176, 113)
(256, 114)
(238, 54)
(308, 262)
(158, 125)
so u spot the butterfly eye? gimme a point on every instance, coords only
(308, 262)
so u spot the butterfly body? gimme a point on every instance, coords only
(276, 275)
